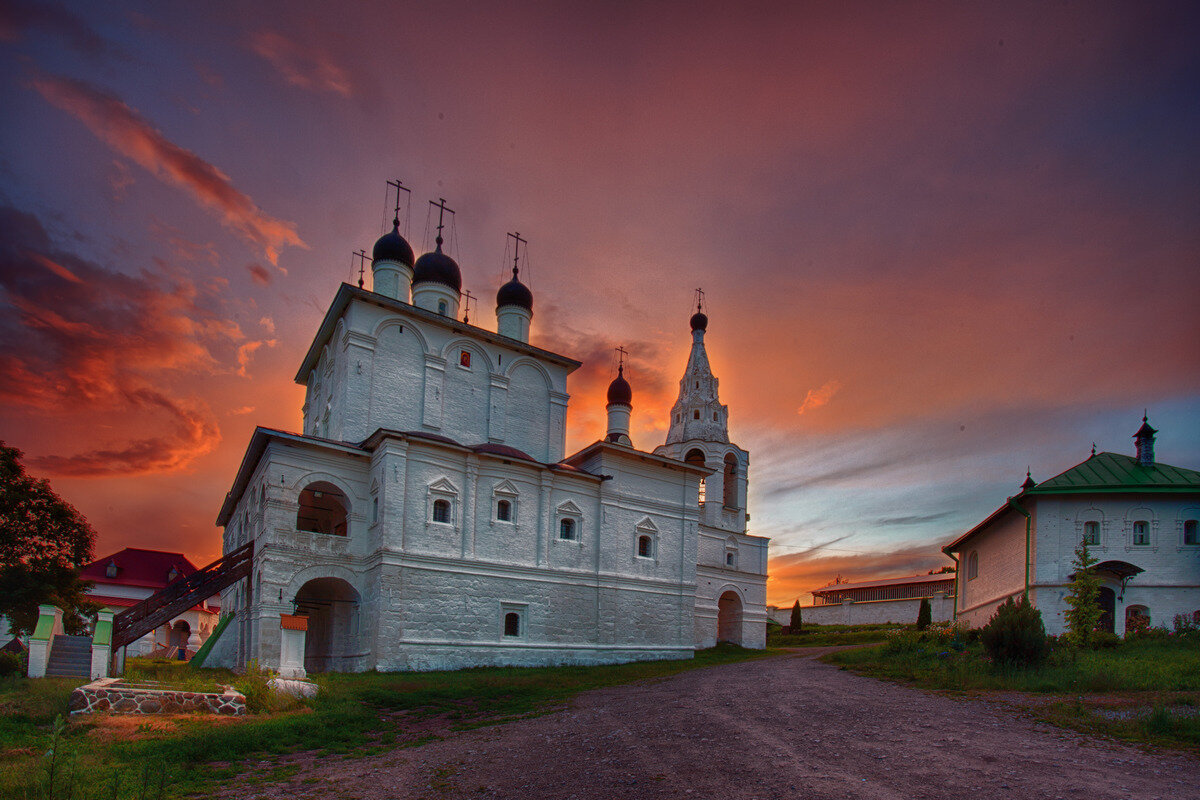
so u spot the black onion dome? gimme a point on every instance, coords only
(699, 321)
(437, 267)
(392, 247)
(619, 391)
(515, 293)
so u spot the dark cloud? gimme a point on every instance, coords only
(259, 274)
(778, 488)
(124, 130)
(17, 17)
(916, 519)
(82, 338)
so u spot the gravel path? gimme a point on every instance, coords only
(785, 727)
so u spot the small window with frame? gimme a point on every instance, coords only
(1141, 533)
(441, 511)
(1091, 533)
(512, 621)
(567, 530)
(1191, 536)
(504, 511)
(645, 546)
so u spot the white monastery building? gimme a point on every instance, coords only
(427, 517)
(1139, 517)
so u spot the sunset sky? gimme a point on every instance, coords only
(940, 243)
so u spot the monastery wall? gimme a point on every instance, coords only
(1001, 555)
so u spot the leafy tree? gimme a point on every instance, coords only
(924, 614)
(43, 542)
(797, 623)
(1083, 594)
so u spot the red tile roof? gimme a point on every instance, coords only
(136, 567)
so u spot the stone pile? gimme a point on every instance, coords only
(115, 696)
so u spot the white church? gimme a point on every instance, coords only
(428, 517)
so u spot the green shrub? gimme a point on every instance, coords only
(1015, 635)
(9, 664)
(797, 622)
(1105, 640)
(924, 614)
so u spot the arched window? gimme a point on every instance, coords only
(442, 307)
(566, 529)
(973, 565)
(503, 511)
(1190, 534)
(731, 482)
(696, 414)
(1091, 532)
(323, 509)
(441, 511)
(1141, 532)
(512, 624)
(645, 547)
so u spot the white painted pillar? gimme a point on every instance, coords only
(102, 645)
(293, 630)
(48, 626)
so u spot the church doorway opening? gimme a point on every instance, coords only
(331, 605)
(729, 618)
(1108, 609)
(180, 632)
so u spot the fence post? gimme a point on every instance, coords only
(48, 626)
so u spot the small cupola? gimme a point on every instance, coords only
(111, 570)
(1144, 439)
(619, 408)
(172, 575)
(1028, 483)
(392, 264)
(514, 302)
(437, 280)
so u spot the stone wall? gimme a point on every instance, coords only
(117, 697)
(870, 612)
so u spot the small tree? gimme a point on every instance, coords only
(43, 542)
(924, 614)
(1083, 593)
(797, 623)
(1015, 635)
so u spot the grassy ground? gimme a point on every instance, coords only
(352, 714)
(1142, 690)
(825, 635)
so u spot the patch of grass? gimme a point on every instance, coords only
(352, 714)
(1079, 688)
(814, 635)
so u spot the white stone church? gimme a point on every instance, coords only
(427, 517)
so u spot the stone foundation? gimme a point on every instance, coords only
(118, 697)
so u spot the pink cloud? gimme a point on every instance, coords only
(305, 66)
(819, 397)
(121, 128)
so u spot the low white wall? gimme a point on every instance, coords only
(870, 612)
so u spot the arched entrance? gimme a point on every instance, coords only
(331, 605)
(1137, 619)
(729, 618)
(180, 632)
(1107, 600)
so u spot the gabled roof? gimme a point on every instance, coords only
(1113, 472)
(136, 567)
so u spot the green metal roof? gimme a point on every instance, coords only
(1113, 472)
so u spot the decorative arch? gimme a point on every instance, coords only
(570, 521)
(1189, 526)
(327, 477)
(525, 360)
(303, 576)
(730, 474)
(406, 325)
(322, 507)
(731, 607)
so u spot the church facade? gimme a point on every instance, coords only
(428, 517)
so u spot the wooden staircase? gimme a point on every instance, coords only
(70, 657)
(180, 595)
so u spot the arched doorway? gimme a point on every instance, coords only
(1107, 600)
(332, 641)
(729, 618)
(695, 457)
(180, 632)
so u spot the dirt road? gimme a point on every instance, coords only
(786, 727)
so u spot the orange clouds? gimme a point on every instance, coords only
(794, 576)
(819, 397)
(305, 66)
(121, 128)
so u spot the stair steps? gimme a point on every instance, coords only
(70, 657)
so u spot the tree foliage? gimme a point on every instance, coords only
(796, 622)
(924, 614)
(1083, 595)
(43, 543)
(1015, 635)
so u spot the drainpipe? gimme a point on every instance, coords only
(954, 615)
(1015, 506)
